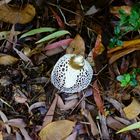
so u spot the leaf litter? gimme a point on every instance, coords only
(35, 34)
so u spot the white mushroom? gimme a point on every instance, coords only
(72, 73)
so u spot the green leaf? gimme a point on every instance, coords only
(127, 77)
(117, 30)
(133, 82)
(124, 83)
(53, 35)
(39, 30)
(130, 127)
(120, 78)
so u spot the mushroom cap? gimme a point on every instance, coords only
(68, 79)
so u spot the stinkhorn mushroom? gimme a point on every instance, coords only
(72, 73)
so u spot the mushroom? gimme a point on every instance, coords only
(72, 73)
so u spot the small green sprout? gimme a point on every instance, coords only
(126, 24)
(129, 78)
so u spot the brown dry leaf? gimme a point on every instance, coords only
(115, 56)
(99, 48)
(77, 46)
(68, 105)
(115, 10)
(57, 130)
(93, 126)
(78, 16)
(97, 97)
(104, 129)
(1, 136)
(117, 105)
(132, 110)
(114, 124)
(126, 44)
(7, 59)
(22, 16)
(49, 116)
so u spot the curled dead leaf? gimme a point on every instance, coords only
(126, 44)
(22, 16)
(7, 59)
(77, 46)
(132, 110)
(57, 130)
(115, 56)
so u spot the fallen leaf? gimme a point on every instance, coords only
(104, 129)
(4, 2)
(7, 59)
(93, 126)
(64, 42)
(130, 127)
(55, 51)
(132, 110)
(90, 58)
(49, 116)
(68, 105)
(4, 119)
(1, 136)
(25, 134)
(115, 56)
(114, 124)
(22, 56)
(18, 136)
(126, 44)
(77, 46)
(36, 105)
(54, 35)
(92, 10)
(79, 15)
(57, 130)
(18, 122)
(72, 136)
(59, 21)
(116, 104)
(22, 16)
(115, 10)
(37, 31)
(97, 97)
(99, 48)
